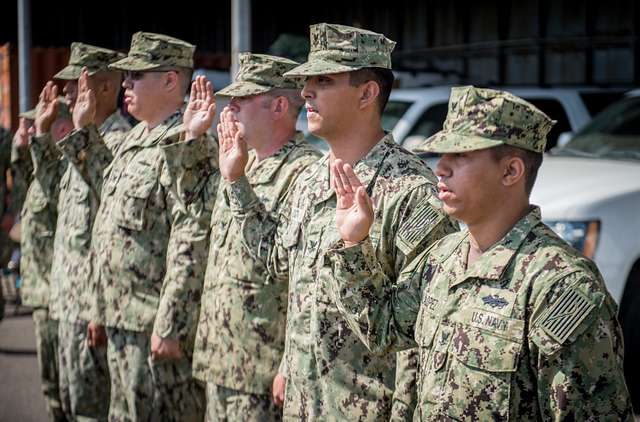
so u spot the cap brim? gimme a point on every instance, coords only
(133, 64)
(243, 89)
(319, 67)
(448, 142)
(72, 72)
(29, 114)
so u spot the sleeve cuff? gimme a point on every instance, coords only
(356, 259)
(76, 145)
(241, 195)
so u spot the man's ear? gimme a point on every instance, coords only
(369, 92)
(514, 170)
(171, 80)
(279, 107)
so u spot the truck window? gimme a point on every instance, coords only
(431, 121)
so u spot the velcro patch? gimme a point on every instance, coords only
(565, 315)
(422, 220)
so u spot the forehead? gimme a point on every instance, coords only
(248, 98)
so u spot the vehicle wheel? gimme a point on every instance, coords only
(629, 317)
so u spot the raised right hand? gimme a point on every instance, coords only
(84, 110)
(233, 148)
(47, 109)
(21, 138)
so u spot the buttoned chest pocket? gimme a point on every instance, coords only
(133, 202)
(481, 373)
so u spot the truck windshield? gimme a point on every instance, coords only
(614, 133)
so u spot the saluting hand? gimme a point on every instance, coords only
(47, 109)
(84, 111)
(201, 108)
(354, 209)
(233, 148)
(21, 138)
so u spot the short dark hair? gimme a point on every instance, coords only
(293, 97)
(532, 162)
(383, 77)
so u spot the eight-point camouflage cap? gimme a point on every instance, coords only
(93, 58)
(150, 51)
(260, 73)
(484, 118)
(63, 110)
(339, 48)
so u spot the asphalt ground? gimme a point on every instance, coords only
(21, 398)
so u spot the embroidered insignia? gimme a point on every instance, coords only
(495, 301)
(566, 314)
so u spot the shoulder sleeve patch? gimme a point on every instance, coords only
(565, 315)
(420, 223)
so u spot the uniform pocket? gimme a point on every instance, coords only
(133, 203)
(483, 369)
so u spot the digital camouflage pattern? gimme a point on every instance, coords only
(146, 390)
(480, 118)
(95, 59)
(38, 221)
(526, 332)
(84, 386)
(227, 405)
(241, 332)
(84, 374)
(340, 48)
(330, 373)
(152, 240)
(150, 253)
(150, 51)
(79, 197)
(22, 176)
(46, 331)
(258, 74)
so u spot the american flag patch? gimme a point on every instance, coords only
(419, 224)
(566, 314)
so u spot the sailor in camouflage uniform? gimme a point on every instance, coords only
(38, 223)
(241, 331)
(330, 374)
(511, 322)
(150, 235)
(84, 375)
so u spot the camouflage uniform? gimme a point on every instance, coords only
(150, 250)
(38, 221)
(330, 374)
(241, 331)
(528, 331)
(84, 377)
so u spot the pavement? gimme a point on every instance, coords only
(21, 398)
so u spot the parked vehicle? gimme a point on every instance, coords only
(415, 113)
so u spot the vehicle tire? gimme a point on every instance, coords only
(629, 317)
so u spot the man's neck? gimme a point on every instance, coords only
(485, 233)
(355, 143)
(160, 116)
(269, 146)
(104, 114)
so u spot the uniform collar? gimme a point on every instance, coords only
(138, 139)
(493, 262)
(264, 171)
(366, 168)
